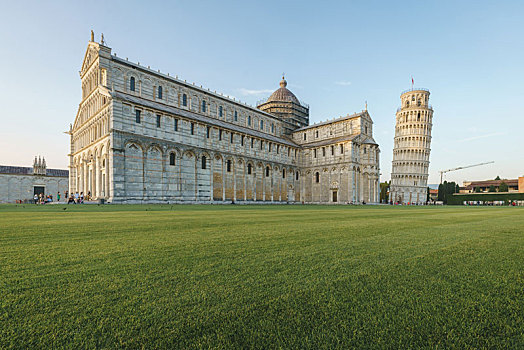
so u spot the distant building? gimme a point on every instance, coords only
(22, 183)
(484, 186)
(433, 195)
(521, 184)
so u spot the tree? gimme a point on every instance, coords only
(492, 188)
(503, 187)
(446, 190)
(477, 189)
(440, 196)
(384, 191)
(497, 178)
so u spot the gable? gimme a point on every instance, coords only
(90, 56)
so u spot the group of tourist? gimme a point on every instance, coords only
(75, 198)
(43, 199)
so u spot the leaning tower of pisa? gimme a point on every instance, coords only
(409, 173)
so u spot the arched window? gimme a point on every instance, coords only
(283, 173)
(171, 158)
(132, 84)
(229, 166)
(236, 116)
(220, 111)
(261, 125)
(317, 177)
(160, 92)
(249, 120)
(184, 100)
(418, 116)
(203, 106)
(296, 175)
(204, 163)
(272, 127)
(249, 169)
(267, 171)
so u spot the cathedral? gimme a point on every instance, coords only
(141, 136)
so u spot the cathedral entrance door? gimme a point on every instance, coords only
(39, 190)
(335, 196)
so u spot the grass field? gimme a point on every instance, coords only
(261, 277)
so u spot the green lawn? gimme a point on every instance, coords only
(261, 277)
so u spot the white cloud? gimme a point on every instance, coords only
(343, 83)
(478, 137)
(248, 92)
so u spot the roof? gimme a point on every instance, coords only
(330, 141)
(283, 94)
(20, 170)
(496, 183)
(347, 117)
(191, 115)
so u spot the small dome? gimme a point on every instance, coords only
(283, 94)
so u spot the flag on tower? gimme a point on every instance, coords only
(412, 81)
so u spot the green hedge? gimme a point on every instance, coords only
(458, 199)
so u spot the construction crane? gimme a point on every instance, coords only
(442, 172)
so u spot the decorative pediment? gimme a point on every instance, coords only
(90, 56)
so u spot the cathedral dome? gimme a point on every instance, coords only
(283, 94)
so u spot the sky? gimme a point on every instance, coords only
(336, 55)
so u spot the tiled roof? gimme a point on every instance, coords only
(20, 170)
(15, 170)
(212, 121)
(58, 172)
(283, 94)
(496, 183)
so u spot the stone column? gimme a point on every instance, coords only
(98, 180)
(224, 164)
(211, 169)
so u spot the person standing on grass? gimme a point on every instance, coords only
(58, 196)
(67, 195)
(35, 198)
(81, 197)
(77, 198)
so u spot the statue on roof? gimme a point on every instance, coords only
(92, 36)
